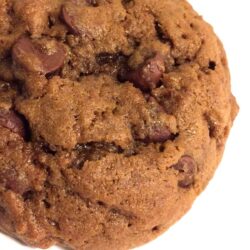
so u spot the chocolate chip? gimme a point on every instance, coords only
(123, 74)
(126, 2)
(159, 134)
(31, 57)
(28, 195)
(12, 181)
(101, 203)
(52, 63)
(155, 228)
(212, 65)
(147, 75)
(69, 21)
(156, 134)
(93, 3)
(46, 204)
(187, 168)
(13, 122)
(93, 151)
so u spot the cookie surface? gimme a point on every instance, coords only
(113, 117)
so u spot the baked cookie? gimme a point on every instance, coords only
(113, 118)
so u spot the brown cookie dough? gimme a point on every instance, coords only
(113, 117)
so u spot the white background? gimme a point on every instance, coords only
(220, 217)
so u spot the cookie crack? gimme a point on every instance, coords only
(162, 36)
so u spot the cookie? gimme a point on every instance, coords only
(113, 118)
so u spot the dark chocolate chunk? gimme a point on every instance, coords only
(32, 58)
(147, 76)
(13, 181)
(187, 167)
(12, 121)
(69, 21)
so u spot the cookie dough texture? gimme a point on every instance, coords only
(113, 117)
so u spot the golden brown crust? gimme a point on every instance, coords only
(124, 108)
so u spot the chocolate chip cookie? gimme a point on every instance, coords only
(113, 117)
